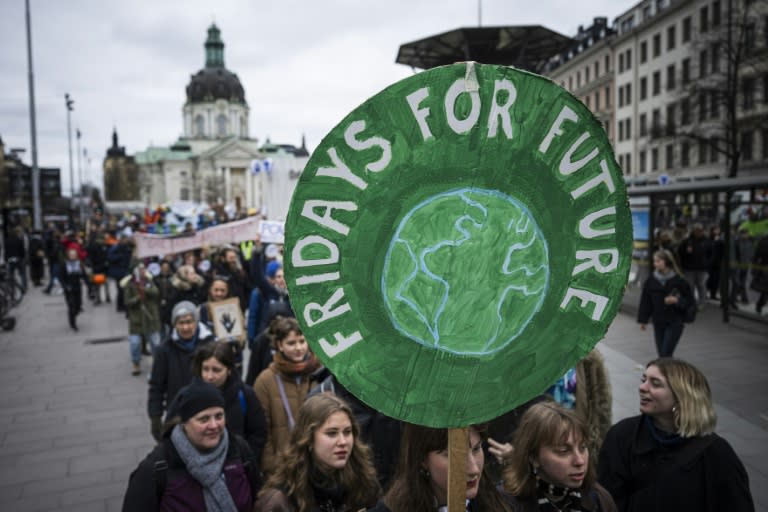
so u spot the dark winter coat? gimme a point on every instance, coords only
(652, 300)
(181, 492)
(696, 253)
(119, 259)
(596, 499)
(172, 369)
(244, 415)
(97, 257)
(701, 474)
(143, 315)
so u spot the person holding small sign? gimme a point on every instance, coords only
(421, 483)
(549, 468)
(326, 467)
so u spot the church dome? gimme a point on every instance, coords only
(214, 81)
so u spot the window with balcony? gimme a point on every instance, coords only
(643, 119)
(671, 121)
(686, 71)
(685, 111)
(656, 85)
(703, 64)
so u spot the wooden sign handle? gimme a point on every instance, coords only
(458, 446)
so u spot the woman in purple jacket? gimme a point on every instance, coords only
(198, 466)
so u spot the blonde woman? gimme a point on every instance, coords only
(669, 458)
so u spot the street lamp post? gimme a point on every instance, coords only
(70, 102)
(80, 179)
(36, 208)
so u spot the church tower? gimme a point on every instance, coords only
(215, 106)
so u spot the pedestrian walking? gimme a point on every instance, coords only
(15, 248)
(666, 299)
(36, 258)
(119, 266)
(142, 302)
(73, 275)
(760, 273)
(696, 254)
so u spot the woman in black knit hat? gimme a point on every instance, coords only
(197, 465)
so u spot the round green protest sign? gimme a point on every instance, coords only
(457, 242)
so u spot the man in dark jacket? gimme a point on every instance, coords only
(119, 261)
(172, 367)
(696, 253)
(16, 255)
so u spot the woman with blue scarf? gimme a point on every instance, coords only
(669, 458)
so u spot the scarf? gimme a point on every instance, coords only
(663, 278)
(291, 369)
(73, 266)
(328, 493)
(554, 498)
(661, 437)
(206, 468)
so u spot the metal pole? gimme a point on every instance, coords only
(479, 13)
(69, 102)
(36, 209)
(80, 179)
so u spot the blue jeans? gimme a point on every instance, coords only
(54, 271)
(667, 336)
(134, 341)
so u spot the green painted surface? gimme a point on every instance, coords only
(438, 258)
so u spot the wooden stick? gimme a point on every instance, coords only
(458, 446)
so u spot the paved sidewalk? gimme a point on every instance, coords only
(74, 421)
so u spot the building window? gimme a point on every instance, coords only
(642, 162)
(670, 77)
(608, 97)
(714, 154)
(586, 101)
(597, 69)
(597, 100)
(748, 94)
(586, 75)
(702, 152)
(746, 146)
(578, 79)
(703, 63)
(621, 97)
(607, 63)
(570, 83)
(656, 123)
(628, 164)
(765, 143)
(199, 126)
(628, 59)
(628, 128)
(643, 119)
(685, 111)
(749, 37)
(621, 63)
(703, 19)
(657, 45)
(716, 13)
(714, 105)
(702, 106)
(765, 86)
(654, 159)
(686, 29)
(715, 57)
(671, 37)
(184, 194)
(643, 88)
(686, 65)
(628, 94)
(221, 125)
(656, 83)
(671, 110)
(643, 52)
(685, 154)
(670, 156)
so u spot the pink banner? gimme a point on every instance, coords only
(232, 232)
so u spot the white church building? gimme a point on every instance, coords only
(215, 160)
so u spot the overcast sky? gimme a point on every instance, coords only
(304, 64)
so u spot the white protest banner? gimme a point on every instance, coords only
(232, 232)
(272, 232)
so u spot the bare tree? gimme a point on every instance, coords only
(717, 106)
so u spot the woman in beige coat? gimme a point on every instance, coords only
(283, 386)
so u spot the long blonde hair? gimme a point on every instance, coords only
(292, 476)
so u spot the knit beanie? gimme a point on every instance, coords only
(197, 397)
(272, 268)
(183, 308)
